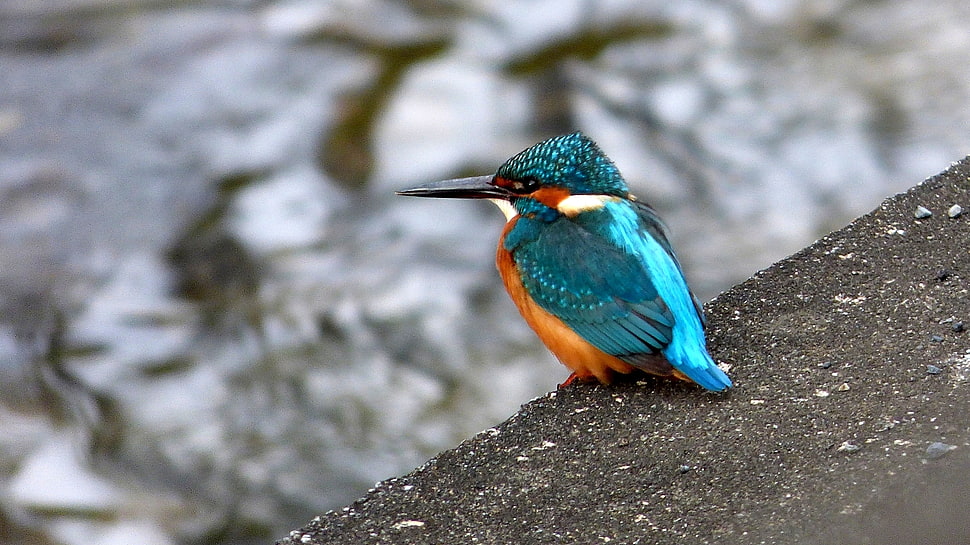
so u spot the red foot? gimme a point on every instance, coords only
(573, 377)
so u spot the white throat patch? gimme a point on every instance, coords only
(506, 208)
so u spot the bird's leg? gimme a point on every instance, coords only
(573, 377)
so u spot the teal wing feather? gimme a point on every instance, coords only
(600, 291)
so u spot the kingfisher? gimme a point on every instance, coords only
(589, 266)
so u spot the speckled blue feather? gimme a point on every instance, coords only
(610, 273)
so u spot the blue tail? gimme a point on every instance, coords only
(694, 361)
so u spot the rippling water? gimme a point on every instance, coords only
(215, 318)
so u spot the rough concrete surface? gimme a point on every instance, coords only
(849, 422)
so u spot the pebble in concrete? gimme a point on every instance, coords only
(937, 450)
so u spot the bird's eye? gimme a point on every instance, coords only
(525, 185)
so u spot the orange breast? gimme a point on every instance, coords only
(573, 351)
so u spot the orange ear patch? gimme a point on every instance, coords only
(551, 196)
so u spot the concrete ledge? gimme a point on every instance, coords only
(850, 422)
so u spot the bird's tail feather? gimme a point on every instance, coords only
(697, 364)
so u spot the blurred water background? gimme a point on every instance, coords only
(217, 321)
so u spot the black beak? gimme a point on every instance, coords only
(479, 187)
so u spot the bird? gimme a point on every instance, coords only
(589, 266)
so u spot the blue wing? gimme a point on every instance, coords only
(598, 289)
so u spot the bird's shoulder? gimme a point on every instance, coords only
(572, 263)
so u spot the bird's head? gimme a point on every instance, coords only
(564, 175)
